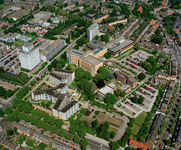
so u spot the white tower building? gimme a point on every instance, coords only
(29, 56)
(92, 31)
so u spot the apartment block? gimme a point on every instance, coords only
(58, 76)
(64, 106)
(50, 47)
(92, 31)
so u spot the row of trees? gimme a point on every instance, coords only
(5, 93)
(157, 37)
(137, 100)
(22, 77)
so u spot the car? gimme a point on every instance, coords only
(180, 95)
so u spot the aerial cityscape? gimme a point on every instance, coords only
(90, 74)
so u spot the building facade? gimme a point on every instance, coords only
(92, 31)
(29, 56)
(58, 76)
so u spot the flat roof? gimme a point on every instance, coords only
(118, 44)
(18, 14)
(106, 89)
(92, 60)
(10, 35)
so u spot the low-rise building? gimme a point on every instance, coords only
(95, 19)
(57, 20)
(142, 31)
(119, 46)
(3, 123)
(88, 60)
(8, 144)
(50, 47)
(18, 14)
(125, 78)
(136, 144)
(3, 23)
(41, 17)
(25, 6)
(70, 28)
(10, 37)
(94, 44)
(109, 88)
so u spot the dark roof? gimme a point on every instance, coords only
(2, 20)
(142, 29)
(177, 133)
(61, 70)
(155, 127)
(3, 122)
(59, 101)
(72, 103)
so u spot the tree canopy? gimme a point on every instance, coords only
(110, 99)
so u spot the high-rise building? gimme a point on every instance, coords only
(29, 56)
(92, 31)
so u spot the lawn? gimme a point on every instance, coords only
(141, 118)
(135, 129)
(32, 36)
(112, 129)
(18, 42)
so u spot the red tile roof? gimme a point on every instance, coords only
(139, 145)
(140, 9)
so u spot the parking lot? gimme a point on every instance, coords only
(149, 94)
(132, 61)
(10, 62)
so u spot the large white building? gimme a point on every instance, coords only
(92, 31)
(64, 105)
(50, 47)
(29, 56)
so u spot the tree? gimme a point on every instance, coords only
(41, 146)
(8, 110)
(137, 46)
(21, 140)
(110, 99)
(27, 118)
(114, 145)
(107, 55)
(105, 38)
(141, 76)
(84, 142)
(58, 123)
(112, 134)
(73, 129)
(34, 120)
(95, 124)
(158, 31)
(61, 132)
(100, 83)
(1, 113)
(114, 12)
(77, 139)
(81, 132)
(32, 83)
(23, 78)
(2, 91)
(9, 93)
(10, 117)
(97, 77)
(1, 1)
(53, 129)
(27, 108)
(151, 59)
(123, 94)
(162, 55)
(69, 136)
(103, 71)
(30, 143)
(46, 127)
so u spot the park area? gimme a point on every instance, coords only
(138, 121)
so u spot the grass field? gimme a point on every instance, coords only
(141, 118)
(135, 129)
(112, 129)
(18, 42)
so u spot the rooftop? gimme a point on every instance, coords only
(18, 14)
(118, 44)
